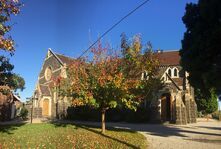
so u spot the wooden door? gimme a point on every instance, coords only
(163, 108)
(166, 107)
(45, 110)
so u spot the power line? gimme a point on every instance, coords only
(112, 27)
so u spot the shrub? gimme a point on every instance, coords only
(216, 115)
(86, 113)
(200, 114)
(206, 105)
(23, 113)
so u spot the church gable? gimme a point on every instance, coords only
(51, 68)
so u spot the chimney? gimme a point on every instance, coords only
(159, 51)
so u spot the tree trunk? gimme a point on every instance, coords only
(103, 120)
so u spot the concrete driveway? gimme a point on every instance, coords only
(201, 135)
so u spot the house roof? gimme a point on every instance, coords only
(168, 57)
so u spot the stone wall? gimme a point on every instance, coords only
(181, 115)
(6, 101)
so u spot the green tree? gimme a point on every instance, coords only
(7, 77)
(200, 53)
(206, 105)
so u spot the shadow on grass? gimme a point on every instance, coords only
(184, 132)
(93, 128)
(9, 128)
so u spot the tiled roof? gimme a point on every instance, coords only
(168, 58)
(178, 81)
(65, 59)
(164, 57)
(161, 71)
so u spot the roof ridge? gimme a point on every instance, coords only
(171, 50)
(56, 56)
(65, 56)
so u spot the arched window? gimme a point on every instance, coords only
(144, 76)
(169, 72)
(175, 73)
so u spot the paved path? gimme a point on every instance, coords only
(201, 135)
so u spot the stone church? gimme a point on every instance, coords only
(174, 103)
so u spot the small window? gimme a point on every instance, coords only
(175, 72)
(169, 72)
(144, 76)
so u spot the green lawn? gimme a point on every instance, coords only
(67, 136)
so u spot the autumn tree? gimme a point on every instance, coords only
(141, 64)
(7, 77)
(98, 83)
(110, 79)
(7, 9)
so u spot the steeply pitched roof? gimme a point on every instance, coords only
(168, 58)
(178, 81)
(173, 82)
(65, 59)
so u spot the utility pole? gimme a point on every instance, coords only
(32, 109)
(32, 102)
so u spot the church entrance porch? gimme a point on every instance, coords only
(166, 107)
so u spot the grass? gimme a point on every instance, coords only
(67, 136)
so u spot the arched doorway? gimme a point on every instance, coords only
(45, 109)
(166, 107)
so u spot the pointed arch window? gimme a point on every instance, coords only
(169, 72)
(48, 73)
(144, 76)
(175, 73)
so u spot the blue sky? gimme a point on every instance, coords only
(68, 26)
